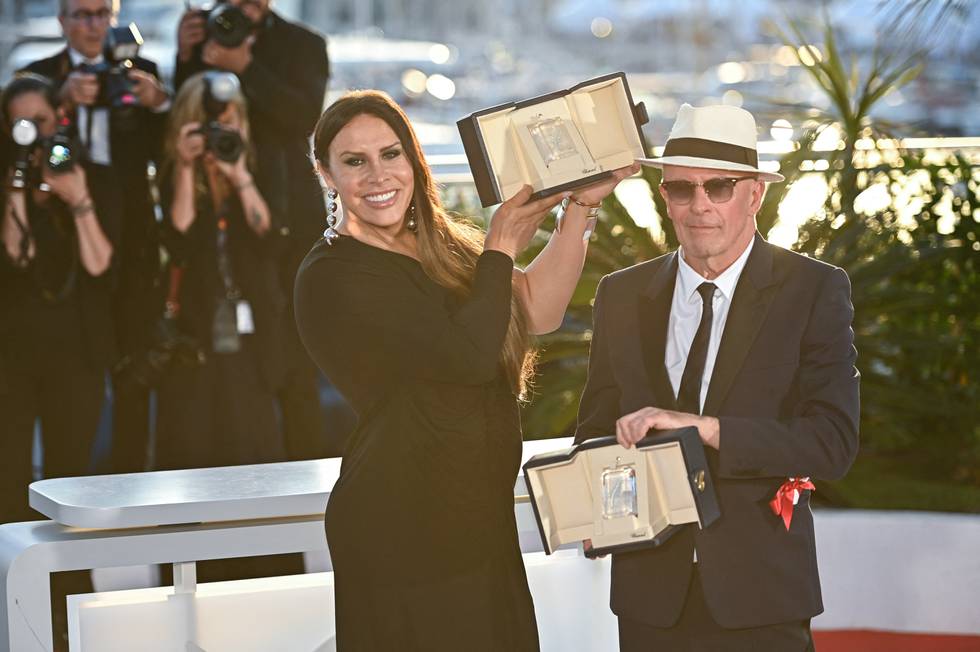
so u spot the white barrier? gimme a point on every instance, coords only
(897, 571)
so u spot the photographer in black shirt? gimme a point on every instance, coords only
(226, 293)
(283, 69)
(59, 224)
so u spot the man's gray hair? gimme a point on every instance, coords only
(64, 8)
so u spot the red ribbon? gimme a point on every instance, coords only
(788, 495)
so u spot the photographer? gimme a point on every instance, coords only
(118, 106)
(283, 69)
(225, 290)
(56, 332)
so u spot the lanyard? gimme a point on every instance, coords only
(221, 205)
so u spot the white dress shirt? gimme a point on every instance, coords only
(98, 148)
(685, 316)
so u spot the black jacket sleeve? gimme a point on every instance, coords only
(820, 439)
(293, 107)
(599, 407)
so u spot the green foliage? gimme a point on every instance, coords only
(917, 323)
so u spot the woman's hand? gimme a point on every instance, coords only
(237, 173)
(516, 221)
(595, 193)
(190, 145)
(69, 186)
(256, 211)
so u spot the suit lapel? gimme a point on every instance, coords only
(750, 304)
(653, 308)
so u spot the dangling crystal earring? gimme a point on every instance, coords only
(412, 225)
(331, 233)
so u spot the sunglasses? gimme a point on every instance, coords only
(719, 190)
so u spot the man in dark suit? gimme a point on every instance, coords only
(752, 344)
(123, 142)
(283, 68)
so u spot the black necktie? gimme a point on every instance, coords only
(689, 396)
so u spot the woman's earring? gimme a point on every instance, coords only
(331, 233)
(412, 225)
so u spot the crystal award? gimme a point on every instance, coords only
(619, 491)
(552, 139)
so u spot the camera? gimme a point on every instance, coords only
(220, 88)
(122, 45)
(226, 25)
(58, 152)
(169, 348)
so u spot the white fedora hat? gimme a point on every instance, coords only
(719, 137)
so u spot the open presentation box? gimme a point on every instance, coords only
(555, 142)
(622, 499)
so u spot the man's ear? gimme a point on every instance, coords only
(758, 194)
(663, 194)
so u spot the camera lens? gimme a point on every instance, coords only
(226, 144)
(60, 154)
(228, 26)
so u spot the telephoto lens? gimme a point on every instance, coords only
(227, 25)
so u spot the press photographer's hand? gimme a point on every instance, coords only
(68, 186)
(191, 32)
(234, 60)
(190, 144)
(516, 221)
(147, 89)
(236, 172)
(80, 89)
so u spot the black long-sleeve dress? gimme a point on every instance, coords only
(420, 523)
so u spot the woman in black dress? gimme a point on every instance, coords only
(218, 230)
(424, 325)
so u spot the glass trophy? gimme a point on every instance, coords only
(619, 491)
(552, 139)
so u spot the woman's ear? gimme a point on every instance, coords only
(326, 181)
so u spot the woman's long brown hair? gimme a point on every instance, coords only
(447, 248)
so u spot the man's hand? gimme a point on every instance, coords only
(191, 32)
(234, 60)
(147, 89)
(634, 426)
(81, 88)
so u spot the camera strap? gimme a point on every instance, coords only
(171, 309)
(220, 204)
(232, 307)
